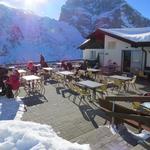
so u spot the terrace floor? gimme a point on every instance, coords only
(77, 120)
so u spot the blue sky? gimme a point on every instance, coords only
(142, 6)
(52, 8)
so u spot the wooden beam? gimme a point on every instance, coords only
(134, 98)
(141, 119)
(107, 106)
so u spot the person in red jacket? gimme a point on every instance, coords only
(13, 80)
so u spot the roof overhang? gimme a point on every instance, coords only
(92, 44)
(133, 43)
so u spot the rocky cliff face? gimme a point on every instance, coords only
(87, 15)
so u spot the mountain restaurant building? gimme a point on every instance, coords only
(128, 47)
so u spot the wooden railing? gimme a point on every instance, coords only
(121, 113)
(49, 62)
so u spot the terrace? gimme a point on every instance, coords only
(76, 118)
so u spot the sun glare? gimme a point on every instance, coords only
(33, 4)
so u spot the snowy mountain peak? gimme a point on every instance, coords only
(24, 36)
(89, 15)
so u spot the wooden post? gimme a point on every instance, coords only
(113, 110)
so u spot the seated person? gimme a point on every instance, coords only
(44, 64)
(96, 66)
(69, 66)
(31, 67)
(64, 65)
(84, 65)
(13, 80)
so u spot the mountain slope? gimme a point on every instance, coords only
(23, 36)
(87, 15)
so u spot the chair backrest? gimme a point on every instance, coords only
(104, 87)
(118, 82)
(105, 80)
(134, 79)
(136, 105)
(90, 75)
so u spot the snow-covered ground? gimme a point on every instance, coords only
(19, 135)
(11, 108)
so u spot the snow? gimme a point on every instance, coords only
(133, 34)
(123, 130)
(125, 20)
(10, 109)
(25, 36)
(143, 135)
(19, 135)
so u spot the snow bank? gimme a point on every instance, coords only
(21, 135)
(11, 108)
(144, 135)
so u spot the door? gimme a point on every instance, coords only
(136, 61)
(126, 62)
(101, 58)
(132, 61)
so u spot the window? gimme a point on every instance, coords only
(111, 45)
(93, 55)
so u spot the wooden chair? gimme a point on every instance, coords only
(102, 90)
(40, 86)
(107, 81)
(136, 105)
(90, 75)
(132, 83)
(78, 91)
(118, 84)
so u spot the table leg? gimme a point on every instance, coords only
(93, 95)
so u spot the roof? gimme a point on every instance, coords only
(132, 34)
(137, 37)
(91, 44)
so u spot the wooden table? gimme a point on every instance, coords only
(65, 73)
(48, 71)
(91, 85)
(76, 66)
(123, 78)
(48, 68)
(94, 71)
(22, 72)
(11, 67)
(58, 63)
(37, 65)
(31, 78)
(31, 83)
